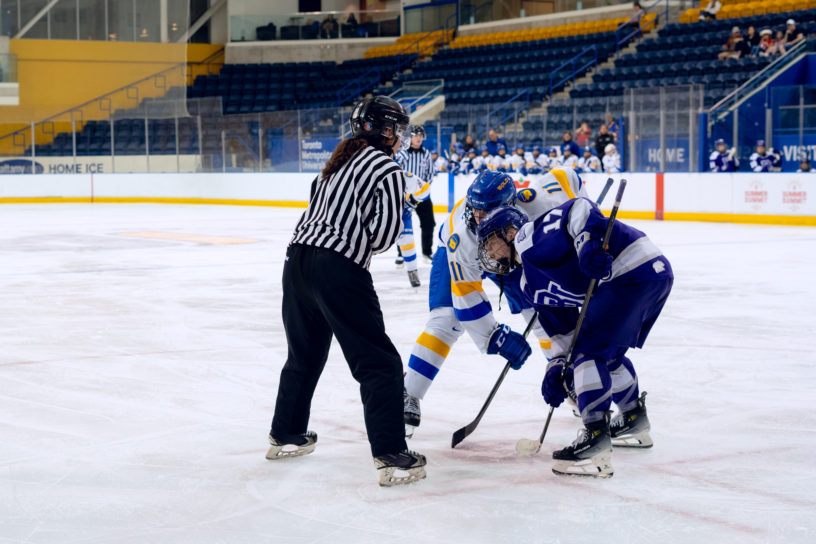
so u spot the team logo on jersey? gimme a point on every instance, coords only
(453, 243)
(526, 195)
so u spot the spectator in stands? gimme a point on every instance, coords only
(493, 142)
(804, 166)
(604, 139)
(710, 11)
(753, 40)
(583, 134)
(793, 35)
(567, 143)
(736, 46)
(779, 42)
(767, 46)
(723, 159)
(328, 28)
(612, 126)
(354, 27)
(633, 23)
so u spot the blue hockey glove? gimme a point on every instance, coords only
(593, 260)
(510, 345)
(554, 388)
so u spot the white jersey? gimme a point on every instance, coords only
(470, 303)
(477, 163)
(612, 163)
(419, 188)
(587, 166)
(571, 161)
(516, 163)
(550, 190)
(441, 164)
(497, 162)
(553, 162)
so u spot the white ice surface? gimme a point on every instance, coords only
(138, 379)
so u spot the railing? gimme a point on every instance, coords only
(207, 63)
(470, 12)
(637, 32)
(405, 56)
(104, 103)
(573, 70)
(428, 88)
(507, 110)
(732, 100)
(311, 25)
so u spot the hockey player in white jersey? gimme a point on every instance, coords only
(589, 163)
(553, 158)
(568, 159)
(498, 162)
(416, 190)
(456, 298)
(466, 166)
(516, 163)
(440, 163)
(611, 160)
(479, 164)
(536, 161)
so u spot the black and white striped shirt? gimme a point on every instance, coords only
(357, 212)
(418, 162)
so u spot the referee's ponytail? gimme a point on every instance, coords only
(349, 147)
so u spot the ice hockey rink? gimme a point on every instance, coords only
(141, 348)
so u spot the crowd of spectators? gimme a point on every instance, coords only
(763, 43)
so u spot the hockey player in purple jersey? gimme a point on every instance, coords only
(723, 159)
(559, 253)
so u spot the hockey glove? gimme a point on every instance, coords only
(593, 260)
(510, 345)
(411, 201)
(554, 388)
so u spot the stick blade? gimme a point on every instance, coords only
(458, 436)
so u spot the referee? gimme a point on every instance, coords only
(354, 212)
(417, 161)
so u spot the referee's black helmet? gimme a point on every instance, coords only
(374, 116)
(418, 129)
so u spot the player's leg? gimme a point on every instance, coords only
(407, 247)
(427, 222)
(441, 331)
(630, 426)
(308, 336)
(591, 452)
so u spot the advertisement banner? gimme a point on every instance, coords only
(99, 165)
(315, 152)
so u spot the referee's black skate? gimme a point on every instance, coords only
(413, 277)
(630, 429)
(400, 468)
(589, 455)
(292, 446)
(411, 413)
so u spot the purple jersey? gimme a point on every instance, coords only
(554, 283)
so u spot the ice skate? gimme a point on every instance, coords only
(413, 277)
(427, 258)
(400, 468)
(630, 429)
(399, 261)
(589, 455)
(411, 413)
(296, 446)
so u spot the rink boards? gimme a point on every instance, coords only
(776, 198)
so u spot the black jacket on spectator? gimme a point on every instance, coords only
(602, 141)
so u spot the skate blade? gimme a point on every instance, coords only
(599, 466)
(391, 476)
(637, 440)
(288, 450)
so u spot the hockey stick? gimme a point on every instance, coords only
(607, 186)
(526, 446)
(462, 433)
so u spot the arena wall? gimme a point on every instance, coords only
(743, 197)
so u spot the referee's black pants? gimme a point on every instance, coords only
(326, 294)
(427, 223)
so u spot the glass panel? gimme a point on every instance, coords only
(245, 26)
(120, 20)
(28, 10)
(92, 20)
(177, 15)
(148, 21)
(62, 20)
(8, 18)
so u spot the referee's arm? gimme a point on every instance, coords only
(386, 224)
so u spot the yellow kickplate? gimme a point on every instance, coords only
(212, 240)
